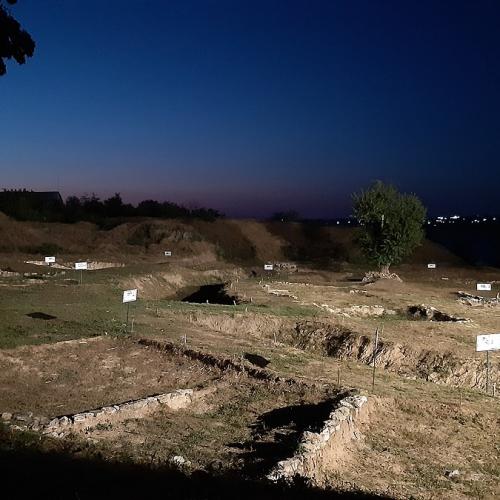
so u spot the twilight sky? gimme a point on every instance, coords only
(252, 107)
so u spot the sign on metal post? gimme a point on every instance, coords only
(81, 266)
(168, 253)
(431, 265)
(129, 296)
(483, 287)
(488, 342)
(50, 260)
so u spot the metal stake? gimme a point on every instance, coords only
(487, 372)
(374, 358)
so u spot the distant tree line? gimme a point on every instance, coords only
(286, 216)
(30, 205)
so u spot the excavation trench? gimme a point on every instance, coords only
(301, 439)
(223, 363)
(276, 434)
(433, 366)
(342, 343)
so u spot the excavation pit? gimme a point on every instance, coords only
(41, 315)
(237, 425)
(428, 313)
(149, 401)
(211, 294)
(275, 434)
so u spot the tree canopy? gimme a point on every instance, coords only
(391, 224)
(15, 42)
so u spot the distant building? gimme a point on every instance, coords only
(24, 204)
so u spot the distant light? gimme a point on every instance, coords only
(338, 222)
(485, 219)
(494, 218)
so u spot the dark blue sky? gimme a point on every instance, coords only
(252, 107)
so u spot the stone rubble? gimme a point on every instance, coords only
(313, 444)
(61, 426)
(92, 265)
(180, 461)
(356, 310)
(279, 293)
(373, 276)
(478, 300)
(452, 474)
(430, 313)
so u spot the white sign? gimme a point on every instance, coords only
(489, 342)
(431, 266)
(81, 265)
(129, 296)
(50, 260)
(484, 286)
(168, 253)
(268, 267)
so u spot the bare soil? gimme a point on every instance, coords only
(72, 377)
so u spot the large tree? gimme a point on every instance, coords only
(391, 224)
(15, 42)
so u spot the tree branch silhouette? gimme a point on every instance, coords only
(15, 42)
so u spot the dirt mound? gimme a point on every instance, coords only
(237, 241)
(268, 246)
(255, 325)
(314, 243)
(430, 251)
(38, 237)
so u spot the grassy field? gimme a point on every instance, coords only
(416, 430)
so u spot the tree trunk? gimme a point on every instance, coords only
(384, 269)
